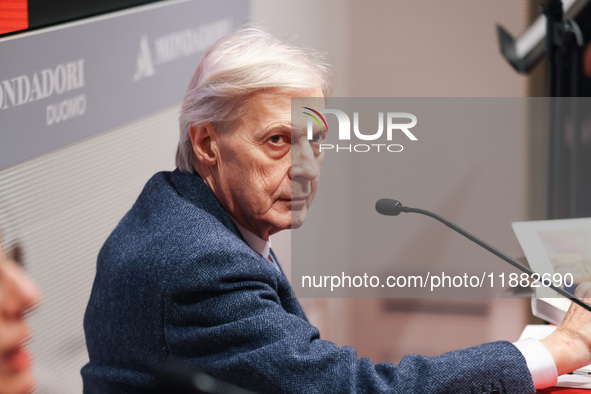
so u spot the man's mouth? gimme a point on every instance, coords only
(299, 198)
(16, 359)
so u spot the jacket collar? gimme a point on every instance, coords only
(191, 187)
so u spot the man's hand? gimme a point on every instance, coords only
(570, 344)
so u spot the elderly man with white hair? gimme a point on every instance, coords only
(188, 274)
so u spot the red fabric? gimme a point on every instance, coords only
(587, 61)
(14, 15)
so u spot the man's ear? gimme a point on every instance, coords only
(202, 136)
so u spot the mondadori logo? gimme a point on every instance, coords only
(395, 124)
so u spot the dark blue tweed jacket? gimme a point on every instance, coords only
(175, 280)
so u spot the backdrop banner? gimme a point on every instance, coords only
(67, 83)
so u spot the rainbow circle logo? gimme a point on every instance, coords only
(323, 128)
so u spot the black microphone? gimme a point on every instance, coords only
(389, 207)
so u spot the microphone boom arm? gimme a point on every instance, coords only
(399, 207)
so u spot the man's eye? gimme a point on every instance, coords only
(318, 138)
(277, 139)
(16, 254)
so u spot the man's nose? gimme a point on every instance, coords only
(303, 161)
(19, 293)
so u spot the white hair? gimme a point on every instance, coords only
(236, 67)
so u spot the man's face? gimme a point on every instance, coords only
(267, 171)
(18, 294)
